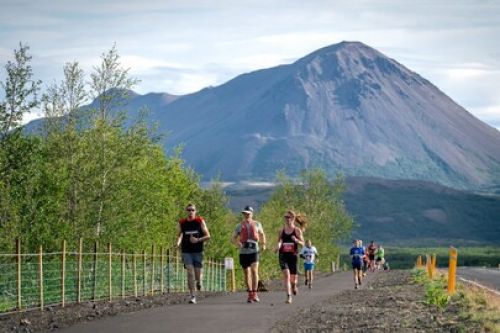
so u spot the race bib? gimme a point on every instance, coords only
(288, 247)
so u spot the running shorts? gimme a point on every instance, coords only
(371, 257)
(308, 266)
(357, 265)
(288, 261)
(246, 260)
(194, 259)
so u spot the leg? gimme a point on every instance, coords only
(190, 279)
(254, 268)
(198, 274)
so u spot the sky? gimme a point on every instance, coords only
(182, 46)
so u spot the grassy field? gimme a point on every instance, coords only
(405, 257)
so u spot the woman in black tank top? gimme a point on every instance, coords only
(289, 239)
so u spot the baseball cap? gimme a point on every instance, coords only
(247, 209)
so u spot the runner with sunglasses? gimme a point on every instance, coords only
(247, 237)
(192, 232)
(288, 240)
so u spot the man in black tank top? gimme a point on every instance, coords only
(192, 232)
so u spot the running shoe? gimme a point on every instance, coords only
(305, 282)
(192, 300)
(295, 289)
(198, 285)
(250, 297)
(255, 298)
(355, 286)
(288, 299)
(310, 286)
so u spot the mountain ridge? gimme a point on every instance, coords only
(345, 108)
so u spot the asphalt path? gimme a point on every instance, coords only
(487, 277)
(229, 313)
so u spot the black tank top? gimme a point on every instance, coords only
(189, 228)
(287, 244)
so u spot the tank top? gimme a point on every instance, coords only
(287, 244)
(189, 228)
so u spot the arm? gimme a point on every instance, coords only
(279, 242)
(262, 237)
(206, 233)
(179, 236)
(299, 239)
(235, 241)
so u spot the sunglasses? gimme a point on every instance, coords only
(190, 210)
(288, 217)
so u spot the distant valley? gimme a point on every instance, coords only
(406, 213)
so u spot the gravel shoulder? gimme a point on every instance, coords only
(391, 302)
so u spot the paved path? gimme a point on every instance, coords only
(229, 313)
(488, 277)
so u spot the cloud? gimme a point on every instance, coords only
(182, 46)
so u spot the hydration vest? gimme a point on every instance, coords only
(249, 232)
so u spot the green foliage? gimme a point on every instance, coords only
(316, 198)
(91, 177)
(435, 289)
(20, 91)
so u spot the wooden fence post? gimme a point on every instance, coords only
(18, 268)
(79, 270)
(452, 270)
(152, 270)
(40, 274)
(63, 273)
(168, 270)
(123, 274)
(144, 288)
(433, 263)
(110, 270)
(162, 269)
(96, 248)
(134, 267)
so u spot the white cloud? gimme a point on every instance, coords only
(182, 46)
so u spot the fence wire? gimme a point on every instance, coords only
(97, 276)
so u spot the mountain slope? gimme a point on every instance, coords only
(346, 108)
(403, 212)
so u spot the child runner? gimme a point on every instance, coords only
(357, 252)
(309, 254)
(289, 238)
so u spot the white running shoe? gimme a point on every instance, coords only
(192, 300)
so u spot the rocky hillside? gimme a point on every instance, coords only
(346, 107)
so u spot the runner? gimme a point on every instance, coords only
(379, 256)
(364, 267)
(371, 256)
(357, 252)
(289, 238)
(309, 254)
(247, 235)
(192, 232)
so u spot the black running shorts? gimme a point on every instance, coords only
(288, 261)
(246, 260)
